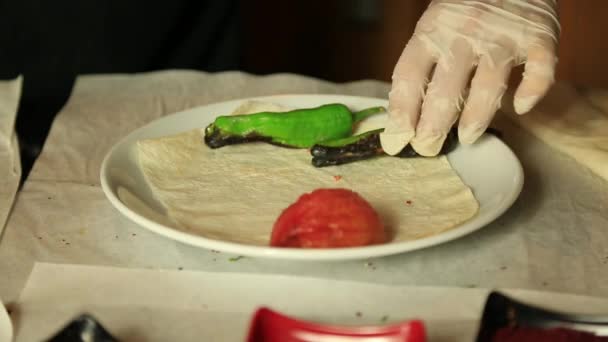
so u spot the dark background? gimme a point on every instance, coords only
(51, 42)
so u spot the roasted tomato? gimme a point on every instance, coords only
(328, 218)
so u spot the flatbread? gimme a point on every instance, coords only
(235, 193)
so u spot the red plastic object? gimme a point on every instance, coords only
(270, 326)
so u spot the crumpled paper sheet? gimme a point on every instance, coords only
(553, 238)
(572, 122)
(10, 162)
(172, 305)
(6, 326)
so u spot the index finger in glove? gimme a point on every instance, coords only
(410, 77)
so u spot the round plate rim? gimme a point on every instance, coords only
(335, 254)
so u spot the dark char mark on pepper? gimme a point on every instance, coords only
(215, 139)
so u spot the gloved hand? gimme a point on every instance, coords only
(454, 37)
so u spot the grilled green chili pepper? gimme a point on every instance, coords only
(300, 128)
(367, 145)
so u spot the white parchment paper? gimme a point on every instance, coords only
(161, 305)
(554, 238)
(10, 162)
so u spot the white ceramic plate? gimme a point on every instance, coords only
(489, 167)
(6, 327)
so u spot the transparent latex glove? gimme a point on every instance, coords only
(453, 38)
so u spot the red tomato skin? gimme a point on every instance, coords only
(328, 218)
